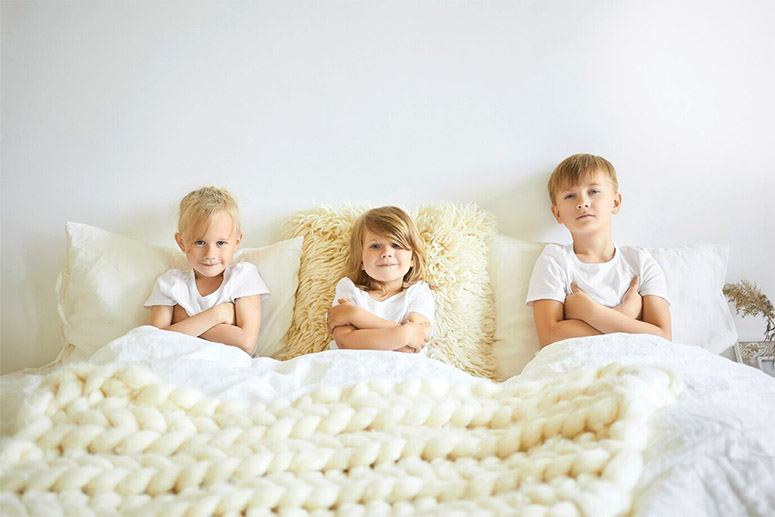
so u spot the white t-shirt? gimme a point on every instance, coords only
(606, 282)
(415, 298)
(177, 287)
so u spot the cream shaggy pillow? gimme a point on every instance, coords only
(458, 241)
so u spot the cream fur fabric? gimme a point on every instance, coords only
(110, 439)
(457, 239)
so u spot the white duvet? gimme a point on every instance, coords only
(710, 453)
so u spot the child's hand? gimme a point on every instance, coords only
(420, 320)
(178, 314)
(578, 305)
(226, 313)
(339, 315)
(415, 335)
(632, 301)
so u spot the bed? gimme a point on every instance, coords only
(134, 420)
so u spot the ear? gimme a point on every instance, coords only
(181, 242)
(239, 240)
(556, 212)
(617, 203)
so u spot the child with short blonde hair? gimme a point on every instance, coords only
(592, 286)
(217, 299)
(383, 302)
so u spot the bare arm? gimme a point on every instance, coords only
(551, 325)
(163, 317)
(244, 332)
(356, 328)
(656, 315)
(379, 339)
(347, 313)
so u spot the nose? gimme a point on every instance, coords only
(583, 203)
(387, 251)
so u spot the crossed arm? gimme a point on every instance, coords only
(356, 328)
(580, 316)
(235, 324)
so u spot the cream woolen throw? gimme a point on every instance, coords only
(457, 238)
(110, 439)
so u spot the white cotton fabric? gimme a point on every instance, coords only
(606, 282)
(178, 287)
(416, 298)
(698, 307)
(712, 453)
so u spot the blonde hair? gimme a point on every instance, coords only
(395, 224)
(199, 206)
(576, 167)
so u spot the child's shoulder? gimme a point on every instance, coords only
(558, 252)
(635, 254)
(175, 275)
(418, 286)
(345, 286)
(242, 267)
(346, 282)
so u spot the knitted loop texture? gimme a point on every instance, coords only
(98, 440)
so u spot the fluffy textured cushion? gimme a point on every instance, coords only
(457, 239)
(695, 276)
(108, 278)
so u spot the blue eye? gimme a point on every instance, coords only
(594, 191)
(199, 243)
(568, 196)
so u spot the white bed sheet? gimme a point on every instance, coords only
(712, 453)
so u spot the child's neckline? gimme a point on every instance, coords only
(368, 293)
(404, 288)
(602, 262)
(199, 291)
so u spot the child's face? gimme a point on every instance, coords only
(210, 253)
(588, 206)
(384, 260)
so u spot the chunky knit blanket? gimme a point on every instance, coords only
(114, 440)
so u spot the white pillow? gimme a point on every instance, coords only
(694, 274)
(516, 342)
(107, 278)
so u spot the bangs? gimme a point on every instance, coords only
(390, 232)
(577, 168)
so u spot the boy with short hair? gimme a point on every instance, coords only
(591, 286)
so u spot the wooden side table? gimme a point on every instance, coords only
(759, 354)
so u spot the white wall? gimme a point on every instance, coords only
(112, 111)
